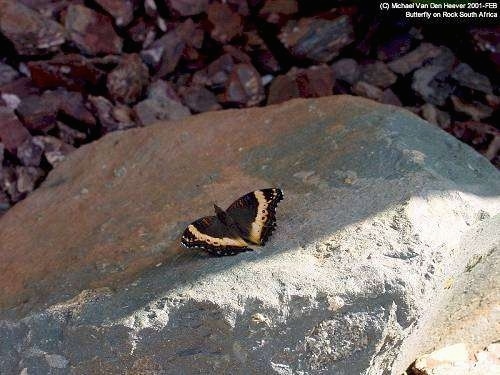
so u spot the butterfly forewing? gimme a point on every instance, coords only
(255, 214)
(211, 234)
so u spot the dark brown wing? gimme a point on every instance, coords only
(255, 214)
(210, 234)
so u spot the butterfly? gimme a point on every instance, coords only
(249, 220)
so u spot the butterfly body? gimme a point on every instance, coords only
(249, 220)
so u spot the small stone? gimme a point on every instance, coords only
(282, 88)
(226, 23)
(467, 77)
(346, 70)
(191, 33)
(199, 99)
(128, 80)
(142, 31)
(72, 71)
(377, 74)
(28, 177)
(12, 132)
(476, 110)
(317, 39)
(31, 33)
(388, 97)
(21, 87)
(164, 54)
(244, 86)
(30, 153)
(38, 113)
(278, 11)
(112, 117)
(121, 10)
(414, 59)
(312, 82)
(368, 91)
(394, 48)
(474, 133)
(54, 150)
(91, 32)
(435, 116)
(187, 7)
(8, 183)
(432, 82)
(261, 54)
(162, 103)
(72, 105)
(150, 111)
(7, 73)
(70, 135)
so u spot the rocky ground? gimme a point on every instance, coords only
(72, 71)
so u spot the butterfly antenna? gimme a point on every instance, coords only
(210, 188)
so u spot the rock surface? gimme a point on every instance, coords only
(386, 221)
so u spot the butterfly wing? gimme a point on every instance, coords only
(210, 234)
(255, 214)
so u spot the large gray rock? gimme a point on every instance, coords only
(386, 244)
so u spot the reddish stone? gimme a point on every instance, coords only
(282, 88)
(142, 31)
(261, 55)
(164, 54)
(30, 32)
(12, 133)
(91, 32)
(187, 7)
(21, 88)
(28, 177)
(317, 39)
(278, 11)
(71, 71)
(121, 10)
(38, 113)
(226, 23)
(244, 86)
(7, 73)
(127, 81)
(161, 89)
(414, 59)
(69, 135)
(346, 70)
(312, 82)
(199, 99)
(112, 117)
(30, 153)
(191, 33)
(377, 74)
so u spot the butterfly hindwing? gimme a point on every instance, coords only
(211, 234)
(255, 214)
